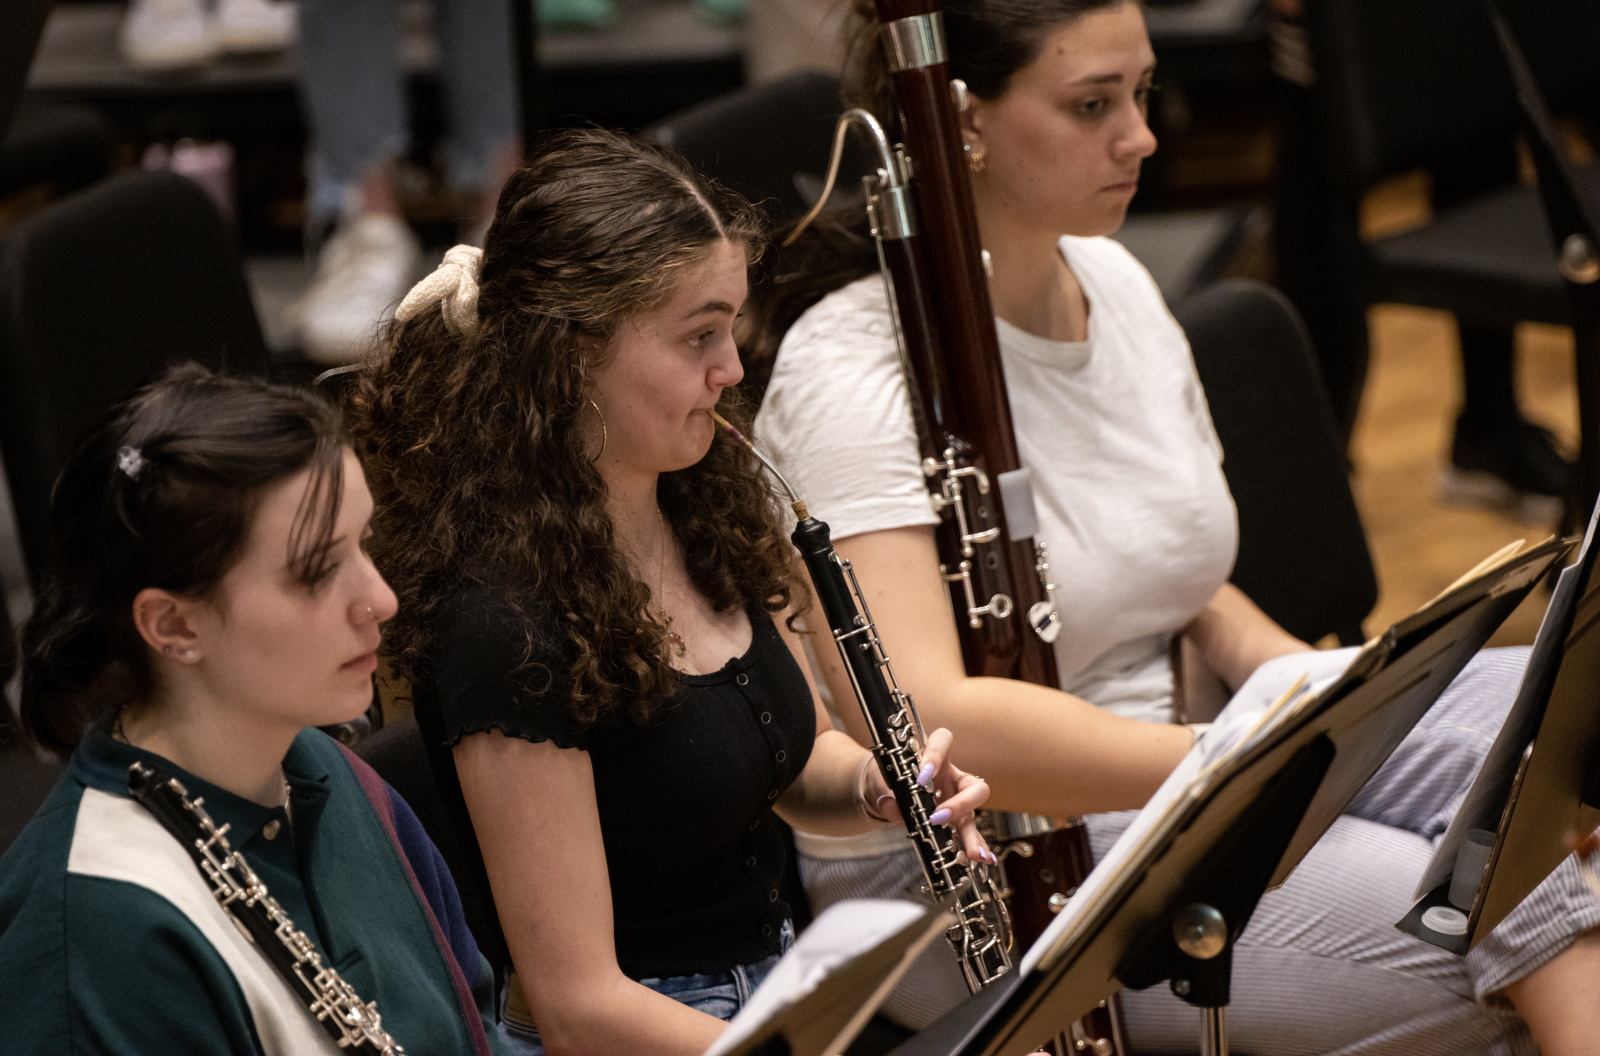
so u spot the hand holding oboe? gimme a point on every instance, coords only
(959, 794)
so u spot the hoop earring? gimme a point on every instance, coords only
(976, 162)
(605, 436)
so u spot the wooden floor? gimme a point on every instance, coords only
(1403, 437)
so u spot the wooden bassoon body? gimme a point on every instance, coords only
(925, 226)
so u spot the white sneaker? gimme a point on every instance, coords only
(245, 26)
(364, 269)
(166, 34)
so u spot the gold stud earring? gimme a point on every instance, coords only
(976, 162)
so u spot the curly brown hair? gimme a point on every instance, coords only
(474, 444)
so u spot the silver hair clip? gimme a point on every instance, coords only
(130, 460)
(348, 368)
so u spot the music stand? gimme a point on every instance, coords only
(1172, 897)
(1540, 782)
(831, 1011)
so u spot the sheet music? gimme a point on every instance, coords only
(1272, 696)
(842, 933)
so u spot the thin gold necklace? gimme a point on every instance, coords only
(674, 639)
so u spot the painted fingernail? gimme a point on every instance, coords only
(925, 775)
(940, 816)
(989, 857)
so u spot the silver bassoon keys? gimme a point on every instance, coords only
(981, 934)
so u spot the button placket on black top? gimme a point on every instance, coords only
(765, 722)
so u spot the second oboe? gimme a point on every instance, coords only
(981, 934)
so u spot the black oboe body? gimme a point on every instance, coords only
(981, 934)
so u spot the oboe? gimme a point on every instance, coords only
(981, 934)
(351, 1023)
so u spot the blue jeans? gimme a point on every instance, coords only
(354, 94)
(720, 994)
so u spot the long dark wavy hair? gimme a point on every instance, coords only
(988, 42)
(475, 445)
(162, 494)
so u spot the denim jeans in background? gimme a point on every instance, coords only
(354, 95)
(720, 994)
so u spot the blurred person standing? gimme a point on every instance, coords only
(354, 99)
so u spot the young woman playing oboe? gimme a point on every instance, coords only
(1113, 425)
(596, 588)
(209, 599)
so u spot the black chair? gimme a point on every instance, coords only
(401, 756)
(63, 148)
(770, 142)
(1303, 555)
(25, 781)
(1404, 83)
(21, 23)
(98, 292)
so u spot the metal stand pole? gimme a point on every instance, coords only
(1191, 945)
(1200, 932)
(1214, 1032)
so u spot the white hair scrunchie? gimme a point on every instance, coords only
(453, 286)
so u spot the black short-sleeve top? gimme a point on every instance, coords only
(685, 800)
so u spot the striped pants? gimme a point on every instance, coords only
(1321, 967)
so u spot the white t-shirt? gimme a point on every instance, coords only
(1126, 464)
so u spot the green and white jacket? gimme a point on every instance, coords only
(111, 942)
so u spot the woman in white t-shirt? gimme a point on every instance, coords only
(1112, 422)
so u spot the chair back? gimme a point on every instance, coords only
(400, 754)
(67, 148)
(1403, 81)
(770, 141)
(98, 292)
(21, 23)
(1303, 555)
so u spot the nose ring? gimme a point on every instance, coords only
(370, 615)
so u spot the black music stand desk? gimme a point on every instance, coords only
(1172, 896)
(1539, 786)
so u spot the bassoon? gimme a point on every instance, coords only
(925, 228)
